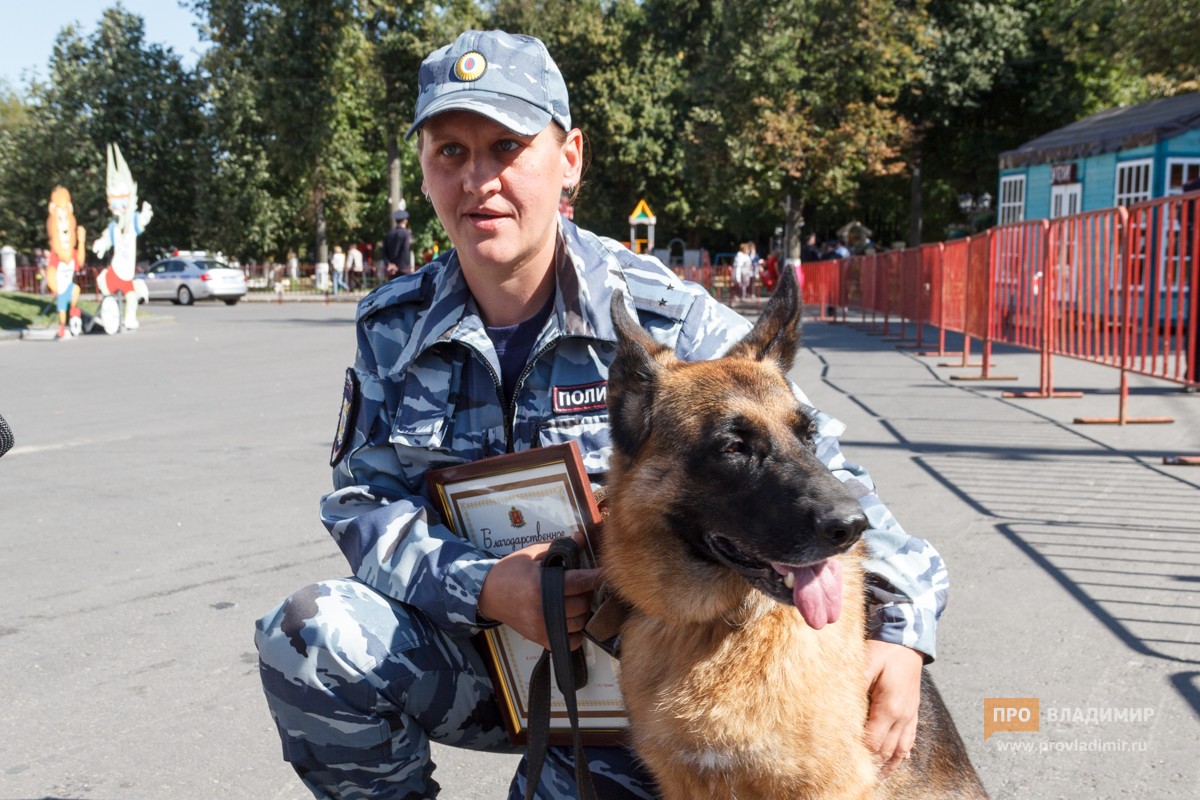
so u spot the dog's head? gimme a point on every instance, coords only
(716, 471)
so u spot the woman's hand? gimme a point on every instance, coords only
(894, 684)
(512, 594)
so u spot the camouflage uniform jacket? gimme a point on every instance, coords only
(425, 392)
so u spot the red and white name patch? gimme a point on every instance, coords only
(587, 397)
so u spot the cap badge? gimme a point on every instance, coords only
(470, 66)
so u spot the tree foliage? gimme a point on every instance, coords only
(289, 132)
(292, 98)
(112, 86)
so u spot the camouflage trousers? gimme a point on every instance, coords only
(358, 685)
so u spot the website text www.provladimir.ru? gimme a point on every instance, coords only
(1024, 715)
(1072, 746)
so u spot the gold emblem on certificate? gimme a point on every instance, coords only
(503, 504)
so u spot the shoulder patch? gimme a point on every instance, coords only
(654, 288)
(349, 410)
(662, 300)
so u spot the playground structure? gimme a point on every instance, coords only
(642, 215)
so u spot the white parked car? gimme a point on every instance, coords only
(187, 277)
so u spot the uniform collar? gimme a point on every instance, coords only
(586, 275)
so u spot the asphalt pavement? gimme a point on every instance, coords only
(163, 493)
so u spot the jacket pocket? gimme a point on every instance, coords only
(421, 431)
(430, 431)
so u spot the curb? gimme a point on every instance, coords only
(271, 297)
(18, 334)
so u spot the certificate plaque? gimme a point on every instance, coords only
(502, 504)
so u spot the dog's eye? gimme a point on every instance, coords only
(733, 446)
(806, 440)
(806, 429)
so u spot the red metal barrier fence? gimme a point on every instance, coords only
(1119, 287)
(908, 272)
(870, 285)
(29, 280)
(823, 284)
(1162, 245)
(1081, 264)
(948, 287)
(853, 299)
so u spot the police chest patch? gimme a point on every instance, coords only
(585, 397)
(345, 428)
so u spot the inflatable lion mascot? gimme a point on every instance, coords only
(67, 253)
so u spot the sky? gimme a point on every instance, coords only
(28, 37)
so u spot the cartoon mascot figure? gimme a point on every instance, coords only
(121, 235)
(67, 253)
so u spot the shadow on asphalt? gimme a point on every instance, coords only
(1116, 533)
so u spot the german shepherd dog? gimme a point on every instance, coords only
(743, 658)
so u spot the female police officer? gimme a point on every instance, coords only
(467, 358)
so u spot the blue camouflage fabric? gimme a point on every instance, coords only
(360, 673)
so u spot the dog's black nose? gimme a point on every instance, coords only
(842, 530)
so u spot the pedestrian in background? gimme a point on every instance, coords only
(397, 246)
(322, 280)
(769, 272)
(743, 272)
(338, 263)
(354, 268)
(809, 251)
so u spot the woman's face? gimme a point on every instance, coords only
(497, 192)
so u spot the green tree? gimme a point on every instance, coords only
(790, 99)
(1027, 68)
(112, 86)
(400, 36)
(618, 97)
(309, 103)
(13, 114)
(1128, 50)
(1163, 38)
(968, 49)
(291, 90)
(241, 210)
(13, 110)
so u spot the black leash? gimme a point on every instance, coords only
(570, 673)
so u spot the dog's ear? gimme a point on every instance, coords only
(776, 335)
(631, 379)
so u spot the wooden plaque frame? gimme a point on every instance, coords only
(502, 504)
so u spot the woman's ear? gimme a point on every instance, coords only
(573, 157)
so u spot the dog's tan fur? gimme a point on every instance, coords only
(730, 693)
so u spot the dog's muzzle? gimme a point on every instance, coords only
(813, 587)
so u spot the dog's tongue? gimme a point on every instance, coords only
(817, 592)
